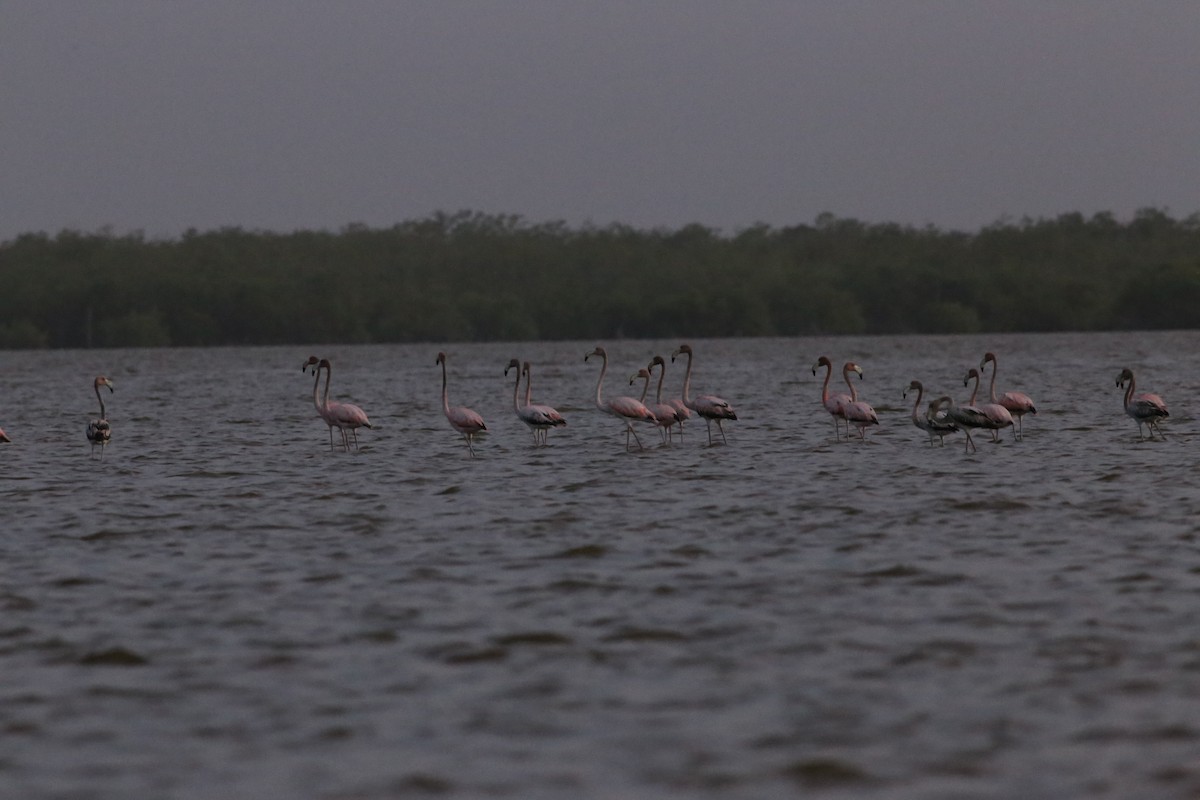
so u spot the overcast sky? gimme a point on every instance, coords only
(155, 116)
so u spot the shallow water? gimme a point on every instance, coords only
(224, 607)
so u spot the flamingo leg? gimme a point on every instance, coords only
(970, 442)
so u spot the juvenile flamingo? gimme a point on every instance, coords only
(857, 412)
(708, 406)
(625, 408)
(682, 412)
(1018, 403)
(99, 432)
(997, 416)
(834, 403)
(966, 417)
(664, 415)
(1145, 408)
(932, 422)
(461, 418)
(346, 416)
(539, 418)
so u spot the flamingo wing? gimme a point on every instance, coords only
(713, 407)
(629, 408)
(1148, 406)
(348, 415)
(541, 416)
(1018, 403)
(464, 420)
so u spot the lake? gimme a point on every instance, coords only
(224, 607)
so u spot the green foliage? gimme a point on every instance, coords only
(471, 276)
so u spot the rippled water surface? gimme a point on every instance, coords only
(223, 607)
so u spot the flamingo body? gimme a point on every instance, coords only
(1145, 408)
(995, 415)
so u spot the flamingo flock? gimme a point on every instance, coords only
(941, 418)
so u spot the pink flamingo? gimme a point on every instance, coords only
(346, 416)
(99, 432)
(834, 403)
(550, 413)
(997, 416)
(539, 418)
(708, 406)
(664, 415)
(682, 412)
(858, 413)
(932, 422)
(313, 364)
(1018, 403)
(625, 408)
(461, 418)
(1144, 408)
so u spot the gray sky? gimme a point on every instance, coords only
(287, 114)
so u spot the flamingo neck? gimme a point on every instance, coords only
(662, 373)
(974, 392)
(825, 386)
(100, 400)
(600, 381)
(645, 388)
(687, 381)
(853, 391)
(445, 394)
(528, 387)
(1128, 394)
(517, 388)
(916, 405)
(316, 383)
(992, 385)
(328, 378)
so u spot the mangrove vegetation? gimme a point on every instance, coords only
(474, 277)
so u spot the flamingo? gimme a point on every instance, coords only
(708, 406)
(625, 408)
(461, 418)
(99, 432)
(665, 415)
(857, 412)
(1144, 408)
(547, 410)
(930, 422)
(1018, 403)
(833, 403)
(966, 417)
(312, 363)
(997, 416)
(346, 416)
(539, 418)
(682, 412)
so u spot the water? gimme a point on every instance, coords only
(223, 607)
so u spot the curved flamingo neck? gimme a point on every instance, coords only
(445, 394)
(645, 387)
(853, 392)
(974, 391)
(516, 389)
(100, 400)
(825, 386)
(528, 386)
(1128, 393)
(328, 378)
(662, 373)
(916, 405)
(687, 381)
(600, 381)
(992, 385)
(316, 383)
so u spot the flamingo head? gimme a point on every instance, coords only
(656, 360)
(986, 358)
(913, 386)
(599, 351)
(525, 369)
(852, 367)
(944, 400)
(512, 364)
(971, 373)
(683, 348)
(323, 364)
(312, 362)
(1126, 375)
(441, 358)
(641, 373)
(103, 381)
(823, 361)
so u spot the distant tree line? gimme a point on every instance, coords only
(476, 277)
